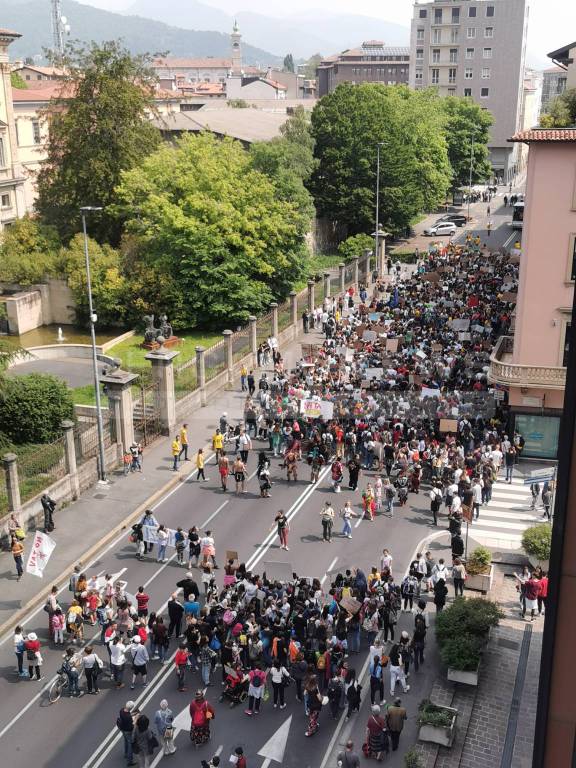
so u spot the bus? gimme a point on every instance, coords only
(518, 216)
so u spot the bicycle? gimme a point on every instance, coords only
(59, 686)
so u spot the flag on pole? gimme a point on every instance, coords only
(42, 548)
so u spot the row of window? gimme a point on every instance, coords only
(455, 14)
(468, 75)
(437, 34)
(377, 71)
(453, 56)
(435, 80)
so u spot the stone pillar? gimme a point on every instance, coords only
(162, 361)
(355, 260)
(311, 284)
(294, 308)
(274, 320)
(201, 373)
(10, 461)
(253, 320)
(368, 271)
(342, 276)
(119, 390)
(326, 285)
(229, 355)
(70, 456)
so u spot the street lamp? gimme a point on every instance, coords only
(93, 318)
(470, 176)
(377, 228)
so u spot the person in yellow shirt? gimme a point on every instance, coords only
(218, 444)
(243, 375)
(184, 442)
(176, 448)
(200, 464)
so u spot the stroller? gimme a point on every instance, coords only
(236, 686)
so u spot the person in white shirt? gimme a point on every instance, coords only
(138, 653)
(496, 456)
(477, 500)
(439, 571)
(92, 666)
(456, 505)
(278, 674)
(117, 651)
(386, 562)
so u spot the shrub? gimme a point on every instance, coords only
(404, 257)
(462, 652)
(353, 246)
(412, 759)
(536, 541)
(32, 408)
(462, 628)
(479, 561)
(432, 714)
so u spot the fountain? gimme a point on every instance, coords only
(61, 336)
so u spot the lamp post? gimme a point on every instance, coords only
(470, 175)
(93, 318)
(377, 228)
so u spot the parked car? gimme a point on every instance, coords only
(457, 218)
(442, 228)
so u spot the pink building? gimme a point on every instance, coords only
(532, 363)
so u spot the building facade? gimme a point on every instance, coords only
(565, 58)
(532, 363)
(12, 201)
(475, 48)
(553, 85)
(373, 62)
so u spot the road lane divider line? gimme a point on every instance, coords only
(213, 515)
(332, 564)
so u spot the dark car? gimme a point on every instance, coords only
(458, 219)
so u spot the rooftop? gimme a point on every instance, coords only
(179, 63)
(247, 125)
(9, 33)
(48, 71)
(48, 90)
(545, 135)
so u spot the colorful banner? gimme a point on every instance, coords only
(42, 548)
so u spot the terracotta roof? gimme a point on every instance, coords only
(192, 63)
(49, 90)
(51, 71)
(275, 83)
(545, 134)
(9, 33)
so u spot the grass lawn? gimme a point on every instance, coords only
(316, 265)
(132, 354)
(85, 396)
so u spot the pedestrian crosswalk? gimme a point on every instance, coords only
(505, 518)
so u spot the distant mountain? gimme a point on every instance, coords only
(140, 35)
(301, 34)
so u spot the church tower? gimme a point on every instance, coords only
(236, 37)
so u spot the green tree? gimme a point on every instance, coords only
(288, 64)
(466, 119)
(561, 112)
(354, 245)
(215, 226)
(347, 126)
(98, 127)
(17, 81)
(32, 408)
(311, 66)
(28, 252)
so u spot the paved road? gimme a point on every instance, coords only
(71, 732)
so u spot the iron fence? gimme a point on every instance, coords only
(241, 344)
(86, 436)
(185, 379)
(284, 315)
(263, 327)
(349, 274)
(3, 494)
(146, 414)
(215, 360)
(40, 467)
(302, 301)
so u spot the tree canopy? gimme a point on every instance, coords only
(415, 173)
(561, 112)
(214, 228)
(98, 127)
(466, 119)
(289, 63)
(28, 252)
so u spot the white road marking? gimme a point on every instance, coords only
(509, 240)
(213, 515)
(332, 564)
(276, 745)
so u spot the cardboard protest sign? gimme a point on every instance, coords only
(436, 347)
(510, 297)
(431, 277)
(350, 604)
(460, 324)
(467, 513)
(464, 337)
(429, 392)
(231, 555)
(392, 345)
(371, 373)
(448, 425)
(369, 336)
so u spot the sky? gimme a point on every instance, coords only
(552, 22)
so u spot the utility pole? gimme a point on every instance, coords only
(377, 229)
(470, 176)
(60, 27)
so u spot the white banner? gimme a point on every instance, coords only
(42, 548)
(150, 535)
(315, 409)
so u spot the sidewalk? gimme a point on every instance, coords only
(102, 512)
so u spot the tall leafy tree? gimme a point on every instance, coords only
(289, 63)
(347, 126)
(561, 112)
(467, 121)
(311, 65)
(98, 127)
(215, 227)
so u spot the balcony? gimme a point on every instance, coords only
(504, 371)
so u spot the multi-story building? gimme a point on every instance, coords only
(12, 202)
(532, 363)
(565, 58)
(373, 62)
(475, 48)
(553, 85)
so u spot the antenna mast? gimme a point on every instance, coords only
(60, 27)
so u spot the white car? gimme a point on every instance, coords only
(442, 228)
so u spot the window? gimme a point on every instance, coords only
(420, 34)
(452, 75)
(572, 257)
(490, 11)
(469, 53)
(453, 55)
(36, 131)
(6, 202)
(418, 74)
(485, 73)
(419, 53)
(455, 15)
(423, 13)
(453, 35)
(484, 93)
(436, 55)
(435, 76)
(38, 77)
(436, 35)
(472, 13)
(468, 73)
(467, 91)
(488, 31)
(566, 349)
(2, 155)
(27, 77)
(451, 91)
(471, 33)
(437, 15)
(487, 53)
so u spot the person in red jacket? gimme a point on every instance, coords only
(33, 656)
(180, 662)
(238, 758)
(531, 592)
(542, 593)
(201, 714)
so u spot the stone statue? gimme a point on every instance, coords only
(165, 327)
(150, 333)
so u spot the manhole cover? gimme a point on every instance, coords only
(511, 644)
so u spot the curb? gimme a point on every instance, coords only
(61, 579)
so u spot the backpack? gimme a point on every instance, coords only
(419, 625)
(30, 654)
(256, 681)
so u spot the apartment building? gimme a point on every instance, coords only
(373, 62)
(565, 58)
(553, 85)
(531, 365)
(12, 203)
(475, 48)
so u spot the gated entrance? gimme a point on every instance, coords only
(147, 414)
